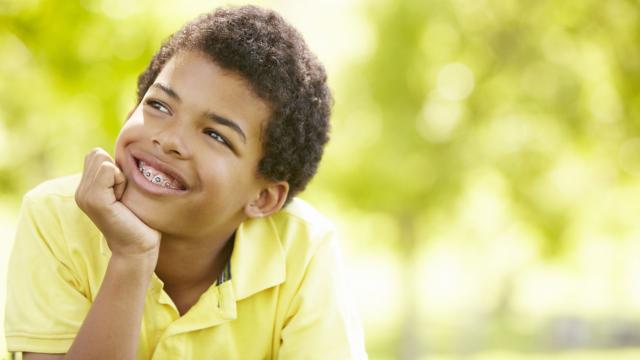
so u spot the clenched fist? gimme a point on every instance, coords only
(98, 195)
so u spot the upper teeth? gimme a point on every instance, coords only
(155, 177)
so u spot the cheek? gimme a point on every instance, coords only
(225, 179)
(121, 142)
(214, 178)
(131, 129)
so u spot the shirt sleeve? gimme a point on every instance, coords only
(323, 323)
(45, 306)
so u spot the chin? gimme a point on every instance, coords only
(149, 213)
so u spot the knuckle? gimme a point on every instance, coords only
(96, 153)
(106, 170)
(93, 152)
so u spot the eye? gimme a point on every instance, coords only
(158, 106)
(216, 136)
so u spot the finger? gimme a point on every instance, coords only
(106, 176)
(102, 191)
(120, 183)
(98, 194)
(97, 157)
(88, 173)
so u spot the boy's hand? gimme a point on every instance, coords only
(99, 194)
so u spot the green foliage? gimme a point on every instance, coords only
(553, 100)
(67, 85)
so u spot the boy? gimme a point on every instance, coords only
(181, 247)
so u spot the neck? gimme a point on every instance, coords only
(187, 263)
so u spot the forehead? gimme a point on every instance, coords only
(203, 86)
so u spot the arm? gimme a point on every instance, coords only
(111, 328)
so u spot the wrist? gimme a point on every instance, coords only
(138, 250)
(130, 264)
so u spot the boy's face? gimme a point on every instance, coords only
(191, 148)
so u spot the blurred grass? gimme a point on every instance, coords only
(570, 355)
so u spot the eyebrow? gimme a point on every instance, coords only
(169, 91)
(212, 116)
(228, 123)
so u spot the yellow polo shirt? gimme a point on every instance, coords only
(282, 295)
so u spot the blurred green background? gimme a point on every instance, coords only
(484, 167)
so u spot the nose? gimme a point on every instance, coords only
(171, 141)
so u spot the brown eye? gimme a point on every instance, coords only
(217, 137)
(158, 106)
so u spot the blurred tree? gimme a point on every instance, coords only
(535, 93)
(392, 167)
(71, 73)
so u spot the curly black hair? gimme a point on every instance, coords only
(274, 58)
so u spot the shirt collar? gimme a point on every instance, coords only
(257, 261)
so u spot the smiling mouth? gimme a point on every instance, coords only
(159, 178)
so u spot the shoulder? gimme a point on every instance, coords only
(306, 236)
(62, 187)
(52, 200)
(301, 222)
(304, 211)
(318, 315)
(278, 248)
(51, 210)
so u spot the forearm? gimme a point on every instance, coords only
(111, 329)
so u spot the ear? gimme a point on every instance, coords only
(270, 200)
